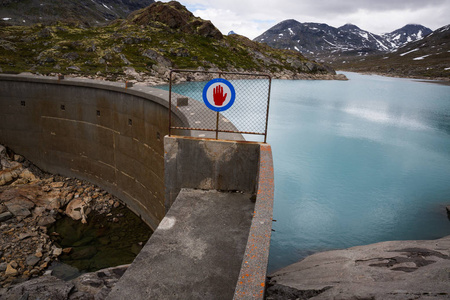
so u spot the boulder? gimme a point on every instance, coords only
(32, 260)
(131, 72)
(45, 33)
(57, 184)
(124, 59)
(207, 29)
(71, 56)
(25, 235)
(39, 211)
(57, 251)
(75, 210)
(11, 271)
(98, 284)
(19, 206)
(5, 216)
(46, 220)
(8, 175)
(387, 270)
(73, 68)
(2, 151)
(46, 287)
(50, 200)
(28, 192)
(155, 56)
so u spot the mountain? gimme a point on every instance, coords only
(176, 17)
(406, 34)
(147, 44)
(92, 12)
(425, 58)
(322, 40)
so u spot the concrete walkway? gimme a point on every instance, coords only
(196, 252)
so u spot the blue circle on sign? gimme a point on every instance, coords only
(219, 94)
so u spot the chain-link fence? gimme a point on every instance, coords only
(221, 105)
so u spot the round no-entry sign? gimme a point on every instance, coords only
(219, 94)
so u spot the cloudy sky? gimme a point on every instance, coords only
(252, 17)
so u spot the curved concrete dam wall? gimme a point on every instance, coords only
(219, 226)
(92, 130)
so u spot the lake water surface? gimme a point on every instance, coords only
(356, 162)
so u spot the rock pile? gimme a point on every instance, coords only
(30, 201)
(96, 285)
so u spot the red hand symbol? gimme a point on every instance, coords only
(218, 95)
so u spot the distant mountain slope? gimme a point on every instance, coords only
(429, 57)
(322, 40)
(27, 12)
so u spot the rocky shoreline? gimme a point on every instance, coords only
(30, 202)
(162, 76)
(394, 270)
(437, 80)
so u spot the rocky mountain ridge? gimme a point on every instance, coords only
(320, 40)
(425, 58)
(411, 51)
(29, 12)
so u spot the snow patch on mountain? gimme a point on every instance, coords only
(322, 38)
(411, 51)
(364, 35)
(421, 57)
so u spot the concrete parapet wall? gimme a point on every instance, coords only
(229, 166)
(209, 165)
(92, 130)
(252, 277)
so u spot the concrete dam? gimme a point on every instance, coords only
(208, 201)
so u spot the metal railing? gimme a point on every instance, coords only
(223, 103)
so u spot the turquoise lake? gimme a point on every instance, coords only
(357, 162)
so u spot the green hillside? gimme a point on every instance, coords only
(150, 41)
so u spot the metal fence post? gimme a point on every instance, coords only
(170, 102)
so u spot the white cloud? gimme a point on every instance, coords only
(253, 17)
(227, 20)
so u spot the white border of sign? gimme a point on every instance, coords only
(228, 89)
